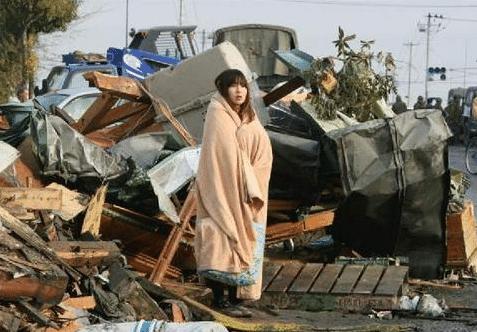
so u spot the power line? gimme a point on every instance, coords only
(459, 19)
(373, 4)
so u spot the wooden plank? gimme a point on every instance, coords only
(72, 202)
(161, 107)
(117, 114)
(306, 278)
(282, 205)
(153, 128)
(92, 219)
(392, 281)
(284, 90)
(285, 277)
(119, 86)
(270, 271)
(31, 198)
(99, 107)
(284, 230)
(86, 253)
(84, 302)
(327, 278)
(347, 279)
(130, 126)
(189, 209)
(369, 280)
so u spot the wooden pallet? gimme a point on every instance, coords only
(316, 286)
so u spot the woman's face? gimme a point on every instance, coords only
(237, 94)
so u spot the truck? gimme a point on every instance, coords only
(149, 51)
(258, 44)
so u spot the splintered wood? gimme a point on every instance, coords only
(72, 202)
(316, 286)
(92, 219)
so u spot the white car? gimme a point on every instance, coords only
(74, 102)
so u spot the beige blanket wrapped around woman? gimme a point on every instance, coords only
(232, 192)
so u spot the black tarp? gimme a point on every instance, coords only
(65, 153)
(303, 159)
(396, 179)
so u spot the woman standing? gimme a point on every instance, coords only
(232, 195)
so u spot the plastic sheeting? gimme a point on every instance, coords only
(303, 158)
(396, 180)
(66, 153)
(146, 149)
(8, 155)
(172, 174)
(156, 326)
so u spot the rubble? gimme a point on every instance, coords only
(97, 215)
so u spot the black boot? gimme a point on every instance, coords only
(218, 292)
(238, 303)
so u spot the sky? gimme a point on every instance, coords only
(391, 23)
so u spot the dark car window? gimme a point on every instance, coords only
(56, 78)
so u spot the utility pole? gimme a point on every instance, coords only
(127, 24)
(181, 12)
(203, 40)
(428, 41)
(465, 63)
(428, 32)
(410, 45)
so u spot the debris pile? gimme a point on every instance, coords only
(97, 214)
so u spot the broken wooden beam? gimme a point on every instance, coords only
(50, 289)
(129, 126)
(99, 107)
(117, 114)
(161, 107)
(284, 90)
(285, 230)
(31, 198)
(275, 205)
(86, 253)
(119, 86)
(145, 264)
(170, 248)
(92, 219)
(83, 302)
(32, 239)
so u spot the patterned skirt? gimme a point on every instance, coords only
(248, 277)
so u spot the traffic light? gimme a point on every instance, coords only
(441, 71)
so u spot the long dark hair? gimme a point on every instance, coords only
(228, 78)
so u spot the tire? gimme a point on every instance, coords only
(471, 155)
